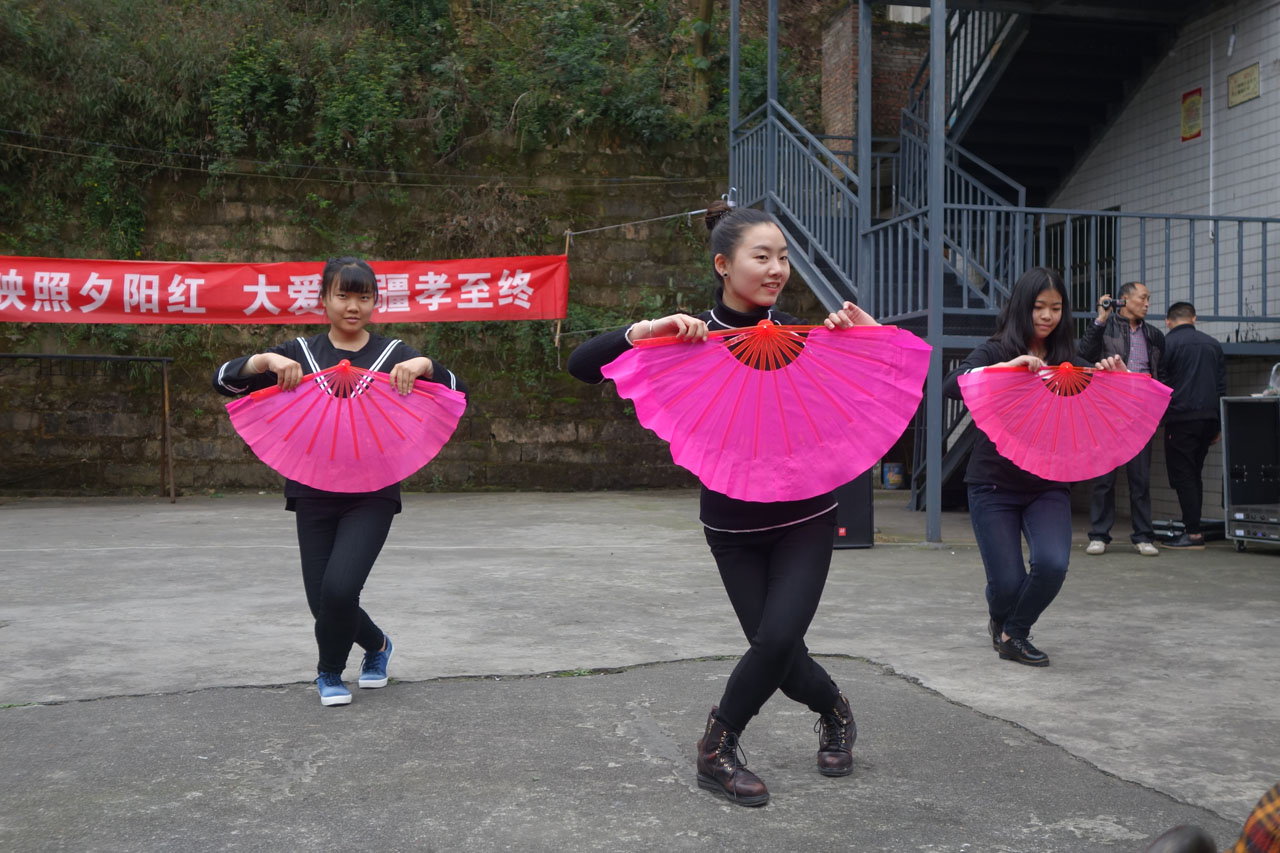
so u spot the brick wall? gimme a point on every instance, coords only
(897, 49)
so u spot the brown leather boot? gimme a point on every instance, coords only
(721, 772)
(836, 733)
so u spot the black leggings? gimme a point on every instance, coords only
(774, 579)
(339, 539)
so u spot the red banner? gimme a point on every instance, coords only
(61, 290)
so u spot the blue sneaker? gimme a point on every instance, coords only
(373, 669)
(332, 690)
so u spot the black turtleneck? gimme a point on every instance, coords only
(718, 511)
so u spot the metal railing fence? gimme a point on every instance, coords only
(1221, 264)
(973, 41)
(775, 162)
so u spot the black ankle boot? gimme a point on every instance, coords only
(836, 733)
(721, 772)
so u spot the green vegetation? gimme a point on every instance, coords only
(103, 101)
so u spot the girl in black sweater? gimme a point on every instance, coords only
(773, 557)
(1006, 502)
(339, 534)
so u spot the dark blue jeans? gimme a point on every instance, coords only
(1015, 596)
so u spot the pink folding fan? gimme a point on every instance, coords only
(346, 429)
(776, 413)
(1065, 423)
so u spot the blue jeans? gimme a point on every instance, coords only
(1016, 597)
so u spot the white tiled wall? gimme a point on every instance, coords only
(1142, 165)
(1232, 169)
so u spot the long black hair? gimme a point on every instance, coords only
(1015, 327)
(348, 274)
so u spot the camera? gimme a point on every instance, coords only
(1108, 303)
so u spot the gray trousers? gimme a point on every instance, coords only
(1102, 503)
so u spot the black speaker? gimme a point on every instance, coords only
(1251, 450)
(855, 522)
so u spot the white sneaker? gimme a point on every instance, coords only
(1096, 547)
(1147, 549)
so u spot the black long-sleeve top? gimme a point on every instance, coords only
(1195, 368)
(986, 465)
(379, 353)
(717, 511)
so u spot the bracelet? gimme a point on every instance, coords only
(650, 322)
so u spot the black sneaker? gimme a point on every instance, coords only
(1186, 543)
(995, 631)
(1020, 650)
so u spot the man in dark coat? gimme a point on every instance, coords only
(1194, 366)
(1121, 329)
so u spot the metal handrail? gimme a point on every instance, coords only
(777, 163)
(973, 37)
(1217, 262)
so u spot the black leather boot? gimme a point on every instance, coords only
(721, 772)
(836, 733)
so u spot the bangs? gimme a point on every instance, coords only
(350, 275)
(356, 279)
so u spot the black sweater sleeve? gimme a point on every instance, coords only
(586, 361)
(228, 381)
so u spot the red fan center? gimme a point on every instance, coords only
(1066, 380)
(766, 346)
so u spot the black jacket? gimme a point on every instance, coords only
(1195, 368)
(1112, 338)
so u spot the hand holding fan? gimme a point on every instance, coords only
(345, 429)
(776, 413)
(1065, 423)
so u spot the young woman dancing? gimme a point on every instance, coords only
(772, 557)
(1006, 502)
(339, 534)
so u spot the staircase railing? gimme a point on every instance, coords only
(983, 256)
(977, 43)
(775, 162)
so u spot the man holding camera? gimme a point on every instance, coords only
(1196, 369)
(1121, 329)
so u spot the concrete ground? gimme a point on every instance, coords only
(556, 658)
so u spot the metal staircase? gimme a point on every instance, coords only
(987, 235)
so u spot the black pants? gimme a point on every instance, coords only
(339, 539)
(1102, 503)
(1186, 444)
(774, 579)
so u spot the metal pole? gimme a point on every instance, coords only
(168, 434)
(773, 50)
(937, 151)
(733, 72)
(865, 291)
(771, 151)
